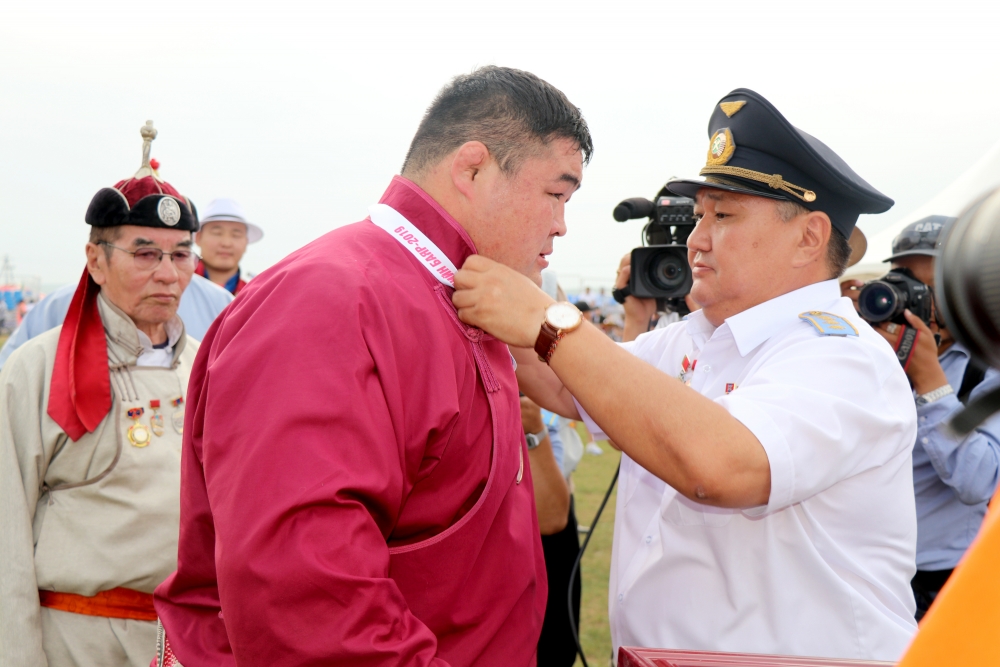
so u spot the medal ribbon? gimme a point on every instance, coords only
(415, 241)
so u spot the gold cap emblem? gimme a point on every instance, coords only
(730, 108)
(720, 148)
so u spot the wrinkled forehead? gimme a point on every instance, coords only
(135, 235)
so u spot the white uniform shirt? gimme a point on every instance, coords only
(824, 568)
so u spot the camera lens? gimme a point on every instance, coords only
(968, 278)
(668, 271)
(878, 302)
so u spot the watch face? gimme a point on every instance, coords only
(562, 315)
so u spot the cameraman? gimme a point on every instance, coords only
(953, 477)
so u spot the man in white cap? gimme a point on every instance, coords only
(222, 239)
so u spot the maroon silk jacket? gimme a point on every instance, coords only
(355, 488)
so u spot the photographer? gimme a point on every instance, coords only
(953, 477)
(765, 499)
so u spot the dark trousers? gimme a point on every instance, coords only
(926, 585)
(556, 647)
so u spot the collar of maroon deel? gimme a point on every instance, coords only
(80, 393)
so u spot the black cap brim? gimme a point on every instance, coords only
(911, 253)
(689, 187)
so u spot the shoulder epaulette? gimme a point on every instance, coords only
(828, 324)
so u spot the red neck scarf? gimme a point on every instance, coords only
(80, 394)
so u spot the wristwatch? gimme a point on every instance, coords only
(936, 395)
(560, 319)
(535, 439)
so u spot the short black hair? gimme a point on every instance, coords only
(99, 235)
(838, 250)
(510, 111)
(838, 253)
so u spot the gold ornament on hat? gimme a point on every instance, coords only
(730, 108)
(720, 147)
(720, 150)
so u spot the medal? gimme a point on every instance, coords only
(177, 418)
(138, 434)
(687, 367)
(155, 419)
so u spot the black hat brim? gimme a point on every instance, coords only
(689, 187)
(911, 253)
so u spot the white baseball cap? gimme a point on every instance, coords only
(229, 210)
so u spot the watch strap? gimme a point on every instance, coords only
(936, 395)
(535, 439)
(545, 344)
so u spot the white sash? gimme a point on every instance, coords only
(415, 241)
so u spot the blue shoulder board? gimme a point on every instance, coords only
(828, 324)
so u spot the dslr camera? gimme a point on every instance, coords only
(660, 268)
(885, 299)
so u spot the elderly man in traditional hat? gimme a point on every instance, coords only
(223, 239)
(91, 416)
(766, 495)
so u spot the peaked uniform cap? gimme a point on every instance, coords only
(754, 150)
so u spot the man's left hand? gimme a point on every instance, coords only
(500, 301)
(925, 370)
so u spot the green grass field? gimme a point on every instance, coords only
(591, 481)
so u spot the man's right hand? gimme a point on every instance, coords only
(638, 312)
(852, 290)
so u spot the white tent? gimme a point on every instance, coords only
(981, 177)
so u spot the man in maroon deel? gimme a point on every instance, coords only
(355, 484)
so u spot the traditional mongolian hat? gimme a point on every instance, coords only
(80, 394)
(145, 199)
(754, 150)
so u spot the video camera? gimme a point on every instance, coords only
(660, 268)
(885, 299)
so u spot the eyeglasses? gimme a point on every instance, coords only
(149, 258)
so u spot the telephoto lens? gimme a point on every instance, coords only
(968, 294)
(968, 278)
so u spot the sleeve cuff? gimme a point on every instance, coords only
(592, 426)
(939, 410)
(779, 456)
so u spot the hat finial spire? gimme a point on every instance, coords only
(148, 133)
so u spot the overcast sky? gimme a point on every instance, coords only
(303, 111)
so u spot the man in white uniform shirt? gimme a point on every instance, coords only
(765, 502)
